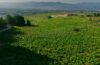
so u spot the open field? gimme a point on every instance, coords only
(72, 40)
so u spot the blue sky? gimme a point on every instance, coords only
(67, 1)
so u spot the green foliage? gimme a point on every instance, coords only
(20, 21)
(2, 22)
(28, 23)
(52, 42)
(97, 14)
(49, 17)
(10, 20)
(77, 30)
(89, 15)
(17, 20)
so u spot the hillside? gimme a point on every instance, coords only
(72, 40)
(52, 6)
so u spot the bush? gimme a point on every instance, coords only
(17, 20)
(96, 14)
(20, 21)
(10, 20)
(2, 22)
(77, 30)
(28, 23)
(49, 17)
(89, 15)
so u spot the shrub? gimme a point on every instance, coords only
(10, 20)
(96, 14)
(77, 30)
(49, 17)
(89, 15)
(2, 22)
(20, 21)
(17, 20)
(28, 23)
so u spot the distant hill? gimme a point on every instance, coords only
(89, 6)
(53, 6)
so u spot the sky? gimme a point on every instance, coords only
(65, 1)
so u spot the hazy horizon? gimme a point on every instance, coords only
(64, 1)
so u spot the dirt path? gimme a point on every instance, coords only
(8, 27)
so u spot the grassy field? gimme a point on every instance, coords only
(57, 41)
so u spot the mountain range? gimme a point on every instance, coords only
(53, 5)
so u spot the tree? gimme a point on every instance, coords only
(10, 20)
(20, 21)
(97, 14)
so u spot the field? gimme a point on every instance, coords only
(72, 40)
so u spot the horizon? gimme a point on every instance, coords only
(61, 1)
(50, 2)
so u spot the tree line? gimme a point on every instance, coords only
(97, 14)
(17, 20)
